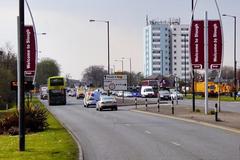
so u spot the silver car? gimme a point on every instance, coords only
(178, 94)
(164, 95)
(106, 102)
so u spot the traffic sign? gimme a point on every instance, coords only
(115, 82)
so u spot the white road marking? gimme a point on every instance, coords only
(176, 144)
(127, 124)
(148, 132)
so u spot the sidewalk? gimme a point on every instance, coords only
(225, 118)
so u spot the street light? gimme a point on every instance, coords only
(130, 69)
(235, 54)
(107, 22)
(185, 63)
(120, 60)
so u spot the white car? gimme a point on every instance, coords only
(147, 91)
(106, 102)
(164, 95)
(178, 94)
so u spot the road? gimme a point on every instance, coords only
(126, 135)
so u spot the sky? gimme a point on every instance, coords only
(76, 44)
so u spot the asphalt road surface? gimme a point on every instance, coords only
(126, 135)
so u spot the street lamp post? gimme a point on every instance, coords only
(130, 69)
(120, 60)
(108, 46)
(235, 54)
(185, 64)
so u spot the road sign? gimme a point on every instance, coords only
(115, 82)
(28, 85)
(115, 77)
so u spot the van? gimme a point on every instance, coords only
(147, 91)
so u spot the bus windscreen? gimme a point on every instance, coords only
(57, 82)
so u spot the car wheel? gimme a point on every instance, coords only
(116, 108)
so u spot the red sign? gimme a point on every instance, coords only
(214, 44)
(197, 44)
(29, 51)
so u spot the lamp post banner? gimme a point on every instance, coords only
(214, 44)
(29, 51)
(197, 44)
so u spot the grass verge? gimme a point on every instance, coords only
(222, 98)
(53, 144)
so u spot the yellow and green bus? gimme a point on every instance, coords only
(56, 90)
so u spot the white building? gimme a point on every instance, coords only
(164, 49)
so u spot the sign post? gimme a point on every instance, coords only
(206, 48)
(206, 62)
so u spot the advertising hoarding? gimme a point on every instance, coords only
(29, 51)
(214, 44)
(197, 44)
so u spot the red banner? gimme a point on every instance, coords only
(197, 44)
(214, 44)
(29, 52)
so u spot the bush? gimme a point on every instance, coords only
(198, 110)
(35, 121)
(212, 112)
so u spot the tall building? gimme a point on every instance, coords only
(166, 49)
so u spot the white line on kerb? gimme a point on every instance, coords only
(176, 144)
(148, 132)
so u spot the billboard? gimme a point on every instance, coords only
(214, 44)
(197, 44)
(29, 51)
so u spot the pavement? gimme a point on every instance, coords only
(228, 119)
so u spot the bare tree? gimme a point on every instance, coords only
(94, 75)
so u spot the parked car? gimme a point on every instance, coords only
(106, 102)
(176, 94)
(164, 95)
(127, 94)
(147, 91)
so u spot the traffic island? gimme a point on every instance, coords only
(225, 118)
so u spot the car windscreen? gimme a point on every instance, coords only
(148, 90)
(163, 92)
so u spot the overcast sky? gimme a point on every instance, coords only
(75, 43)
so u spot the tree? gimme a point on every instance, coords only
(94, 75)
(46, 68)
(227, 73)
(8, 73)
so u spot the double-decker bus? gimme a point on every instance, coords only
(56, 90)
